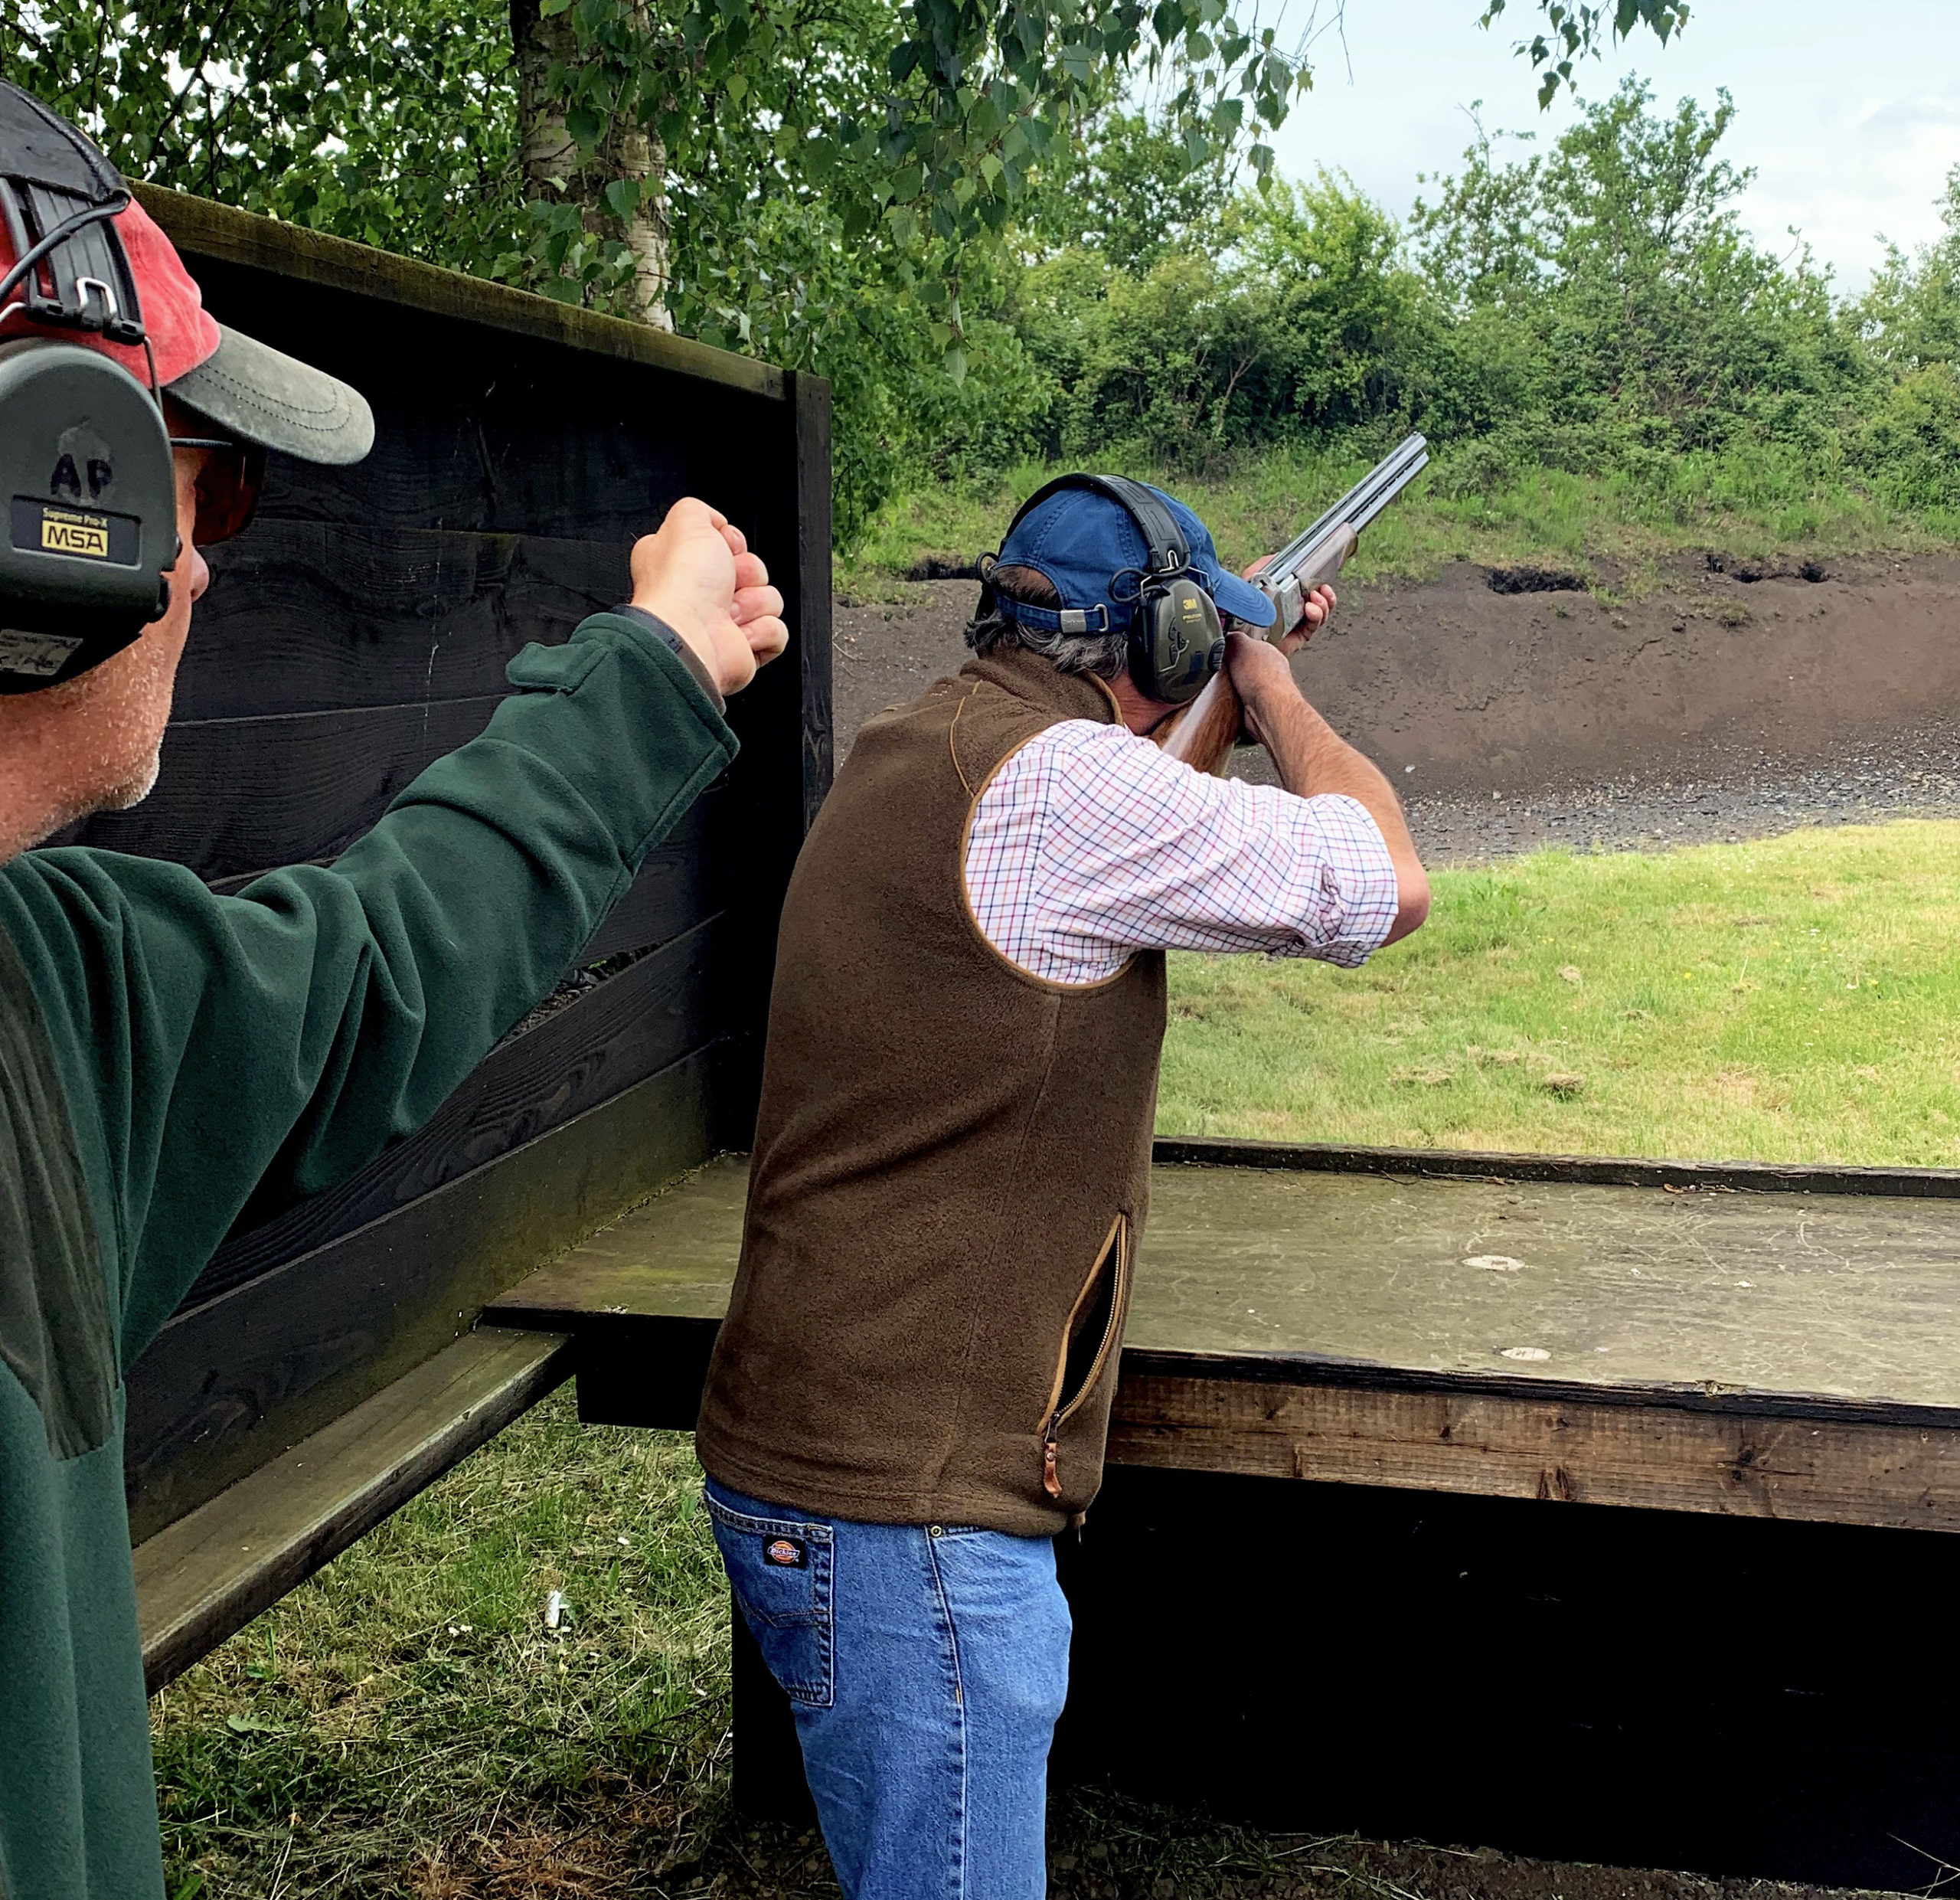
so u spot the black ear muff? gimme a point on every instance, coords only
(91, 512)
(1177, 640)
(89, 498)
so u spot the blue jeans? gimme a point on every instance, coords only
(926, 1665)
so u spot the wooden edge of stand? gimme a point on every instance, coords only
(205, 1577)
(1762, 1177)
(1594, 1448)
(209, 229)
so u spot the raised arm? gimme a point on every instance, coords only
(274, 1041)
(1312, 758)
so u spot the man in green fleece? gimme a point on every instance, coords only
(163, 1051)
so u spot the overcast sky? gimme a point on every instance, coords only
(1848, 109)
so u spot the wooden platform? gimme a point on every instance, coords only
(209, 1574)
(1773, 1343)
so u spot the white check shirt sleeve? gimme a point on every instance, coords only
(1090, 845)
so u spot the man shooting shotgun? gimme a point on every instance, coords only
(911, 1394)
(1204, 734)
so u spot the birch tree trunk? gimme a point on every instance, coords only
(556, 171)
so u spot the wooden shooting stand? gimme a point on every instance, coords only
(1743, 1362)
(324, 1367)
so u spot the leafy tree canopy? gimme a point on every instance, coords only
(841, 185)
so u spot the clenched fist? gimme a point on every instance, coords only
(696, 574)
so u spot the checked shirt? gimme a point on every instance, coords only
(1090, 845)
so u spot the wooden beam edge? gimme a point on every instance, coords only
(1762, 1177)
(1307, 1372)
(204, 228)
(1511, 1445)
(502, 1372)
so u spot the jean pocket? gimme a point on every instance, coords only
(780, 1569)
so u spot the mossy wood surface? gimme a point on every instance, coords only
(210, 1573)
(218, 231)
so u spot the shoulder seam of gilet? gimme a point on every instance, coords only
(1046, 984)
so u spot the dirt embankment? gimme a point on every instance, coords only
(1731, 702)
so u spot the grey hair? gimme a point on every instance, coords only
(1105, 654)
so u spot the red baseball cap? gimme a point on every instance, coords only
(248, 389)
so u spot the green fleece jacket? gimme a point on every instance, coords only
(163, 1051)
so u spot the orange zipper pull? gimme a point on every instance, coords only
(1051, 1481)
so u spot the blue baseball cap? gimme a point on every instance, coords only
(1093, 552)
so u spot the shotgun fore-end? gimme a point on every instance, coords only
(1288, 592)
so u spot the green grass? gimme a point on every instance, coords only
(406, 1725)
(403, 1728)
(1793, 999)
(1618, 532)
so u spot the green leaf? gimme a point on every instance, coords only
(585, 125)
(955, 366)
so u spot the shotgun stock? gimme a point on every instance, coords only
(1203, 734)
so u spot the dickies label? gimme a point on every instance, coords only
(786, 1553)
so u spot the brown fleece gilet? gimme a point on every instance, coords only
(952, 1161)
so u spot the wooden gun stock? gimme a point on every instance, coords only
(1203, 734)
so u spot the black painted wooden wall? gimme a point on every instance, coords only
(358, 630)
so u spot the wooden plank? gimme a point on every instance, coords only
(237, 1381)
(1600, 1449)
(495, 446)
(685, 877)
(672, 1258)
(644, 1299)
(1207, 1151)
(811, 395)
(203, 229)
(208, 1574)
(1828, 1297)
(311, 616)
(622, 1031)
(477, 430)
(236, 794)
(1761, 1299)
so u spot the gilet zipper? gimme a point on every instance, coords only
(1059, 1415)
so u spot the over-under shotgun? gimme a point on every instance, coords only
(1204, 734)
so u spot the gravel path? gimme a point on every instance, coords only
(1917, 777)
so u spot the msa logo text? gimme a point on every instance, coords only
(74, 534)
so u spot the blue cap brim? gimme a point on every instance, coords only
(1243, 601)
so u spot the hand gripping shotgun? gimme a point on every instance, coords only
(1204, 733)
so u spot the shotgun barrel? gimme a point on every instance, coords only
(1286, 577)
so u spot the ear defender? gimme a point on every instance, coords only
(86, 481)
(1176, 639)
(91, 502)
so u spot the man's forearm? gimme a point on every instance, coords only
(1312, 759)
